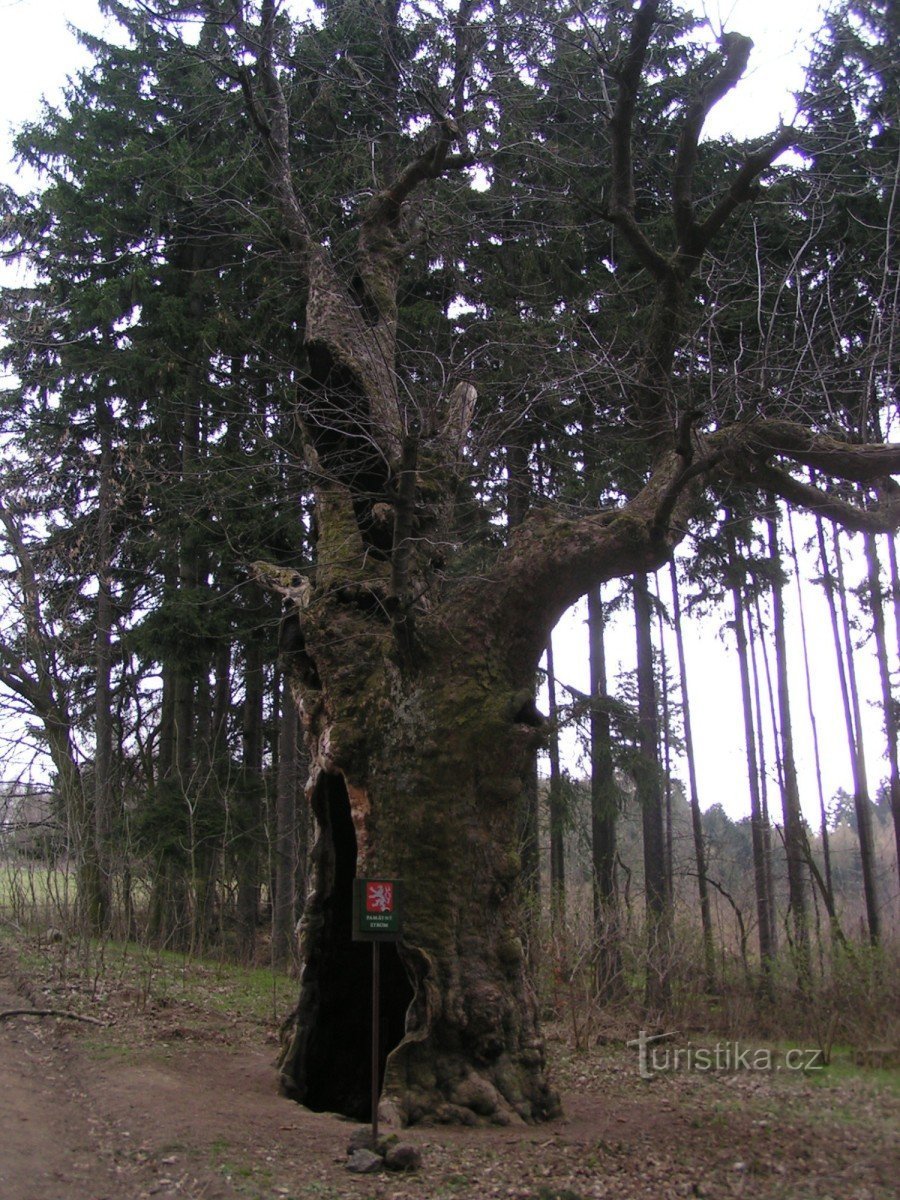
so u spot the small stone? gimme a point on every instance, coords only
(364, 1162)
(360, 1139)
(404, 1156)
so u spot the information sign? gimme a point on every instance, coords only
(377, 910)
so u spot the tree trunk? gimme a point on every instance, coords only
(649, 796)
(763, 774)
(794, 833)
(604, 813)
(763, 899)
(666, 748)
(103, 800)
(249, 814)
(709, 958)
(416, 776)
(888, 705)
(518, 495)
(557, 810)
(861, 800)
(284, 907)
(823, 815)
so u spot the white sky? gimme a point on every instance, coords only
(37, 51)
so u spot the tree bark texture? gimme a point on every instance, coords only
(418, 777)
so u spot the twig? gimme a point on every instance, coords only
(47, 1012)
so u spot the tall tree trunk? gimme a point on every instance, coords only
(861, 800)
(709, 957)
(888, 704)
(760, 883)
(604, 812)
(665, 739)
(895, 585)
(813, 724)
(104, 799)
(763, 774)
(794, 833)
(249, 814)
(284, 907)
(517, 500)
(557, 809)
(649, 796)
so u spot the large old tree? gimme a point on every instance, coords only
(409, 150)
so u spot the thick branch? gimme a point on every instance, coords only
(741, 189)
(883, 518)
(621, 209)
(554, 558)
(434, 162)
(857, 463)
(622, 124)
(737, 53)
(270, 117)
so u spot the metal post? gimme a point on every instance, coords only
(376, 1021)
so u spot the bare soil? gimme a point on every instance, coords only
(176, 1101)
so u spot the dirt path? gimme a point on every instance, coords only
(175, 1103)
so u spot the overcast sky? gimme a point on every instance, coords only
(37, 51)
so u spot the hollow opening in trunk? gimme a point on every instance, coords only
(338, 1072)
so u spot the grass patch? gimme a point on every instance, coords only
(843, 1070)
(225, 989)
(35, 893)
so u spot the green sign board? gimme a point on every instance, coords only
(377, 910)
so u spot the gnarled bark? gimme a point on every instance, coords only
(417, 775)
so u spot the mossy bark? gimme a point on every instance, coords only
(430, 765)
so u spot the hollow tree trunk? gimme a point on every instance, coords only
(416, 776)
(414, 665)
